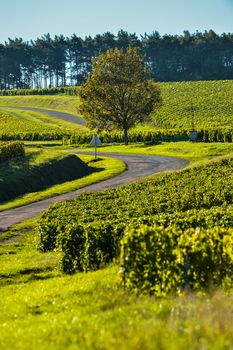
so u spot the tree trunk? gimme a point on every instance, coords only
(126, 141)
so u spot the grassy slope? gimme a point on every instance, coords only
(42, 309)
(62, 103)
(212, 101)
(19, 173)
(19, 121)
(19, 176)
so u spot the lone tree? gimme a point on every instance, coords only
(116, 94)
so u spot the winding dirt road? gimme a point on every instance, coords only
(138, 166)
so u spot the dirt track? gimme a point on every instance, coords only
(138, 166)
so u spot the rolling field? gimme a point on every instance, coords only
(62, 103)
(21, 124)
(212, 102)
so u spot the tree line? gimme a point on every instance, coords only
(63, 61)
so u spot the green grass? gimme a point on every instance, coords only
(63, 103)
(42, 309)
(18, 170)
(193, 152)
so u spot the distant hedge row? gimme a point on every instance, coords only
(73, 91)
(157, 136)
(148, 137)
(9, 150)
(32, 136)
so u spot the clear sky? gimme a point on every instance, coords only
(30, 19)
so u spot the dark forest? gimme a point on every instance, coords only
(63, 61)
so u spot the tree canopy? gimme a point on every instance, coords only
(116, 94)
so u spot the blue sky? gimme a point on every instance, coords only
(30, 19)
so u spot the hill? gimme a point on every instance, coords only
(212, 102)
(20, 125)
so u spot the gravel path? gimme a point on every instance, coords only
(138, 166)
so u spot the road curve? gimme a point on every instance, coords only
(138, 166)
(60, 115)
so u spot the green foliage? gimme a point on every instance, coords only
(116, 94)
(13, 127)
(147, 136)
(87, 247)
(32, 125)
(72, 91)
(195, 197)
(153, 137)
(72, 244)
(161, 260)
(82, 247)
(221, 216)
(59, 60)
(212, 102)
(9, 150)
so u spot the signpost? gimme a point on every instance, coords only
(95, 142)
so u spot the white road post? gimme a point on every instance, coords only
(95, 142)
